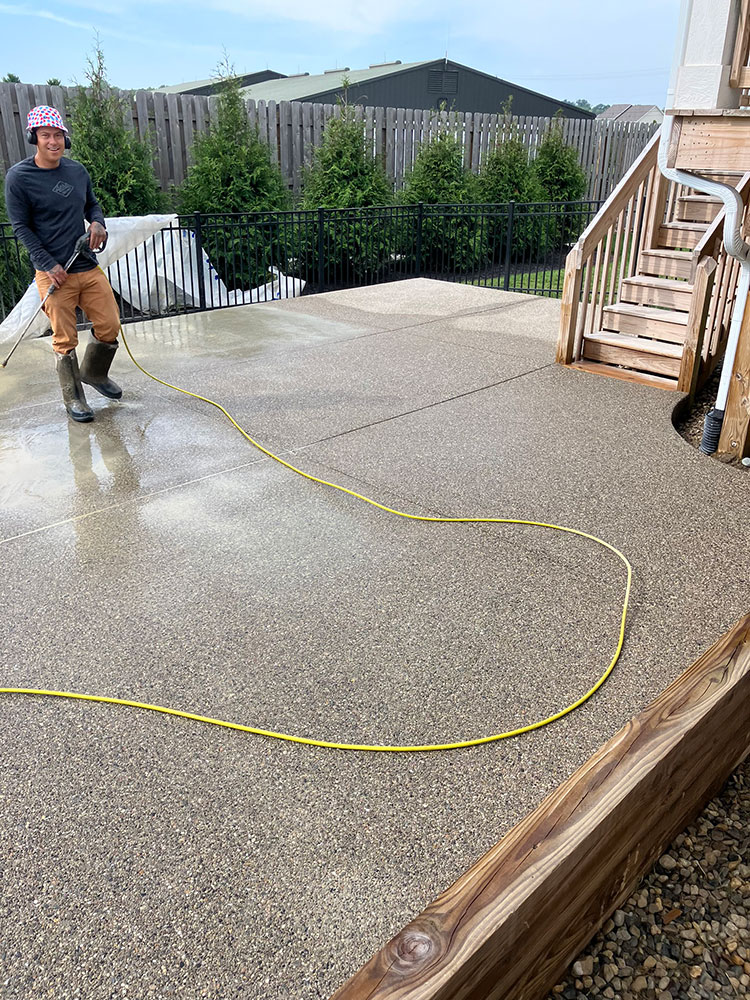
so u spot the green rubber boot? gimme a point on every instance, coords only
(66, 366)
(95, 368)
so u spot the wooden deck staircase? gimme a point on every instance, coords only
(648, 287)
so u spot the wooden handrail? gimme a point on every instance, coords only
(741, 47)
(612, 207)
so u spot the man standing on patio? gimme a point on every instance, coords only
(48, 196)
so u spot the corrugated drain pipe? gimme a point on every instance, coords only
(736, 247)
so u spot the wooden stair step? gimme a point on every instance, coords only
(681, 234)
(625, 374)
(670, 263)
(646, 321)
(647, 290)
(698, 208)
(639, 360)
(660, 347)
(732, 177)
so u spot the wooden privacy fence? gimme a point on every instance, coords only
(293, 129)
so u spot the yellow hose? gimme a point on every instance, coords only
(399, 513)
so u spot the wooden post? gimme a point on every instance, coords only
(571, 297)
(509, 927)
(734, 442)
(696, 326)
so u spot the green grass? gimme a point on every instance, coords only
(530, 281)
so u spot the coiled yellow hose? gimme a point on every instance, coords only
(390, 510)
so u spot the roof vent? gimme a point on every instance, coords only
(344, 69)
(396, 62)
(293, 76)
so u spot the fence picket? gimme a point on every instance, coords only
(293, 130)
(188, 129)
(177, 142)
(162, 139)
(390, 128)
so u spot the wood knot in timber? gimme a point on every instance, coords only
(412, 948)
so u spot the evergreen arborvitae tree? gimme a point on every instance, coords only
(452, 241)
(232, 172)
(557, 169)
(232, 169)
(344, 174)
(561, 178)
(507, 175)
(16, 270)
(439, 176)
(120, 164)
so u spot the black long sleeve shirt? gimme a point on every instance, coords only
(47, 209)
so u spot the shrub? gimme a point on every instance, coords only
(232, 172)
(453, 241)
(557, 169)
(345, 174)
(120, 164)
(16, 270)
(561, 179)
(439, 176)
(508, 176)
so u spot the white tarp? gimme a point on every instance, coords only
(152, 271)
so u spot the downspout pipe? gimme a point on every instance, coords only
(733, 242)
(736, 247)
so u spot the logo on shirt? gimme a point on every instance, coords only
(62, 189)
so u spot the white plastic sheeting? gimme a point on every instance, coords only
(154, 271)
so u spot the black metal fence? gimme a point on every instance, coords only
(213, 261)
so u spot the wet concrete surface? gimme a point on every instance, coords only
(155, 555)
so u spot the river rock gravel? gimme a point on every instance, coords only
(684, 934)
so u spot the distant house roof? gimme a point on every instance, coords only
(206, 87)
(482, 88)
(632, 113)
(302, 86)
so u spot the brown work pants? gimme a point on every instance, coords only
(91, 291)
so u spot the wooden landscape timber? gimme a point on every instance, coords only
(509, 927)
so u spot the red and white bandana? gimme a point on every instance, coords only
(44, 115)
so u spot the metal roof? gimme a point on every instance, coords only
(297, 88)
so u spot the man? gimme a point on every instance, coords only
(48, 196)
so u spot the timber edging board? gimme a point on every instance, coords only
(510, 926)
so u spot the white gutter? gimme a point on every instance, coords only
(733, 241)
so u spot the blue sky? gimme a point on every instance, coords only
(605, 51)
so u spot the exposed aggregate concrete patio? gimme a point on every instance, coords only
(155, 555)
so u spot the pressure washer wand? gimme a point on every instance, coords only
(81, 245)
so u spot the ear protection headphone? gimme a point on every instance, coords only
(31, 137)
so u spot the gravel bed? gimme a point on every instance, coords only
(685, 931)
(690, 423)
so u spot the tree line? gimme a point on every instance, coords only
(232, 172)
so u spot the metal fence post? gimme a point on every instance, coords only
(199, 261)
(321, 260)
(509, 244)
(420, 217)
